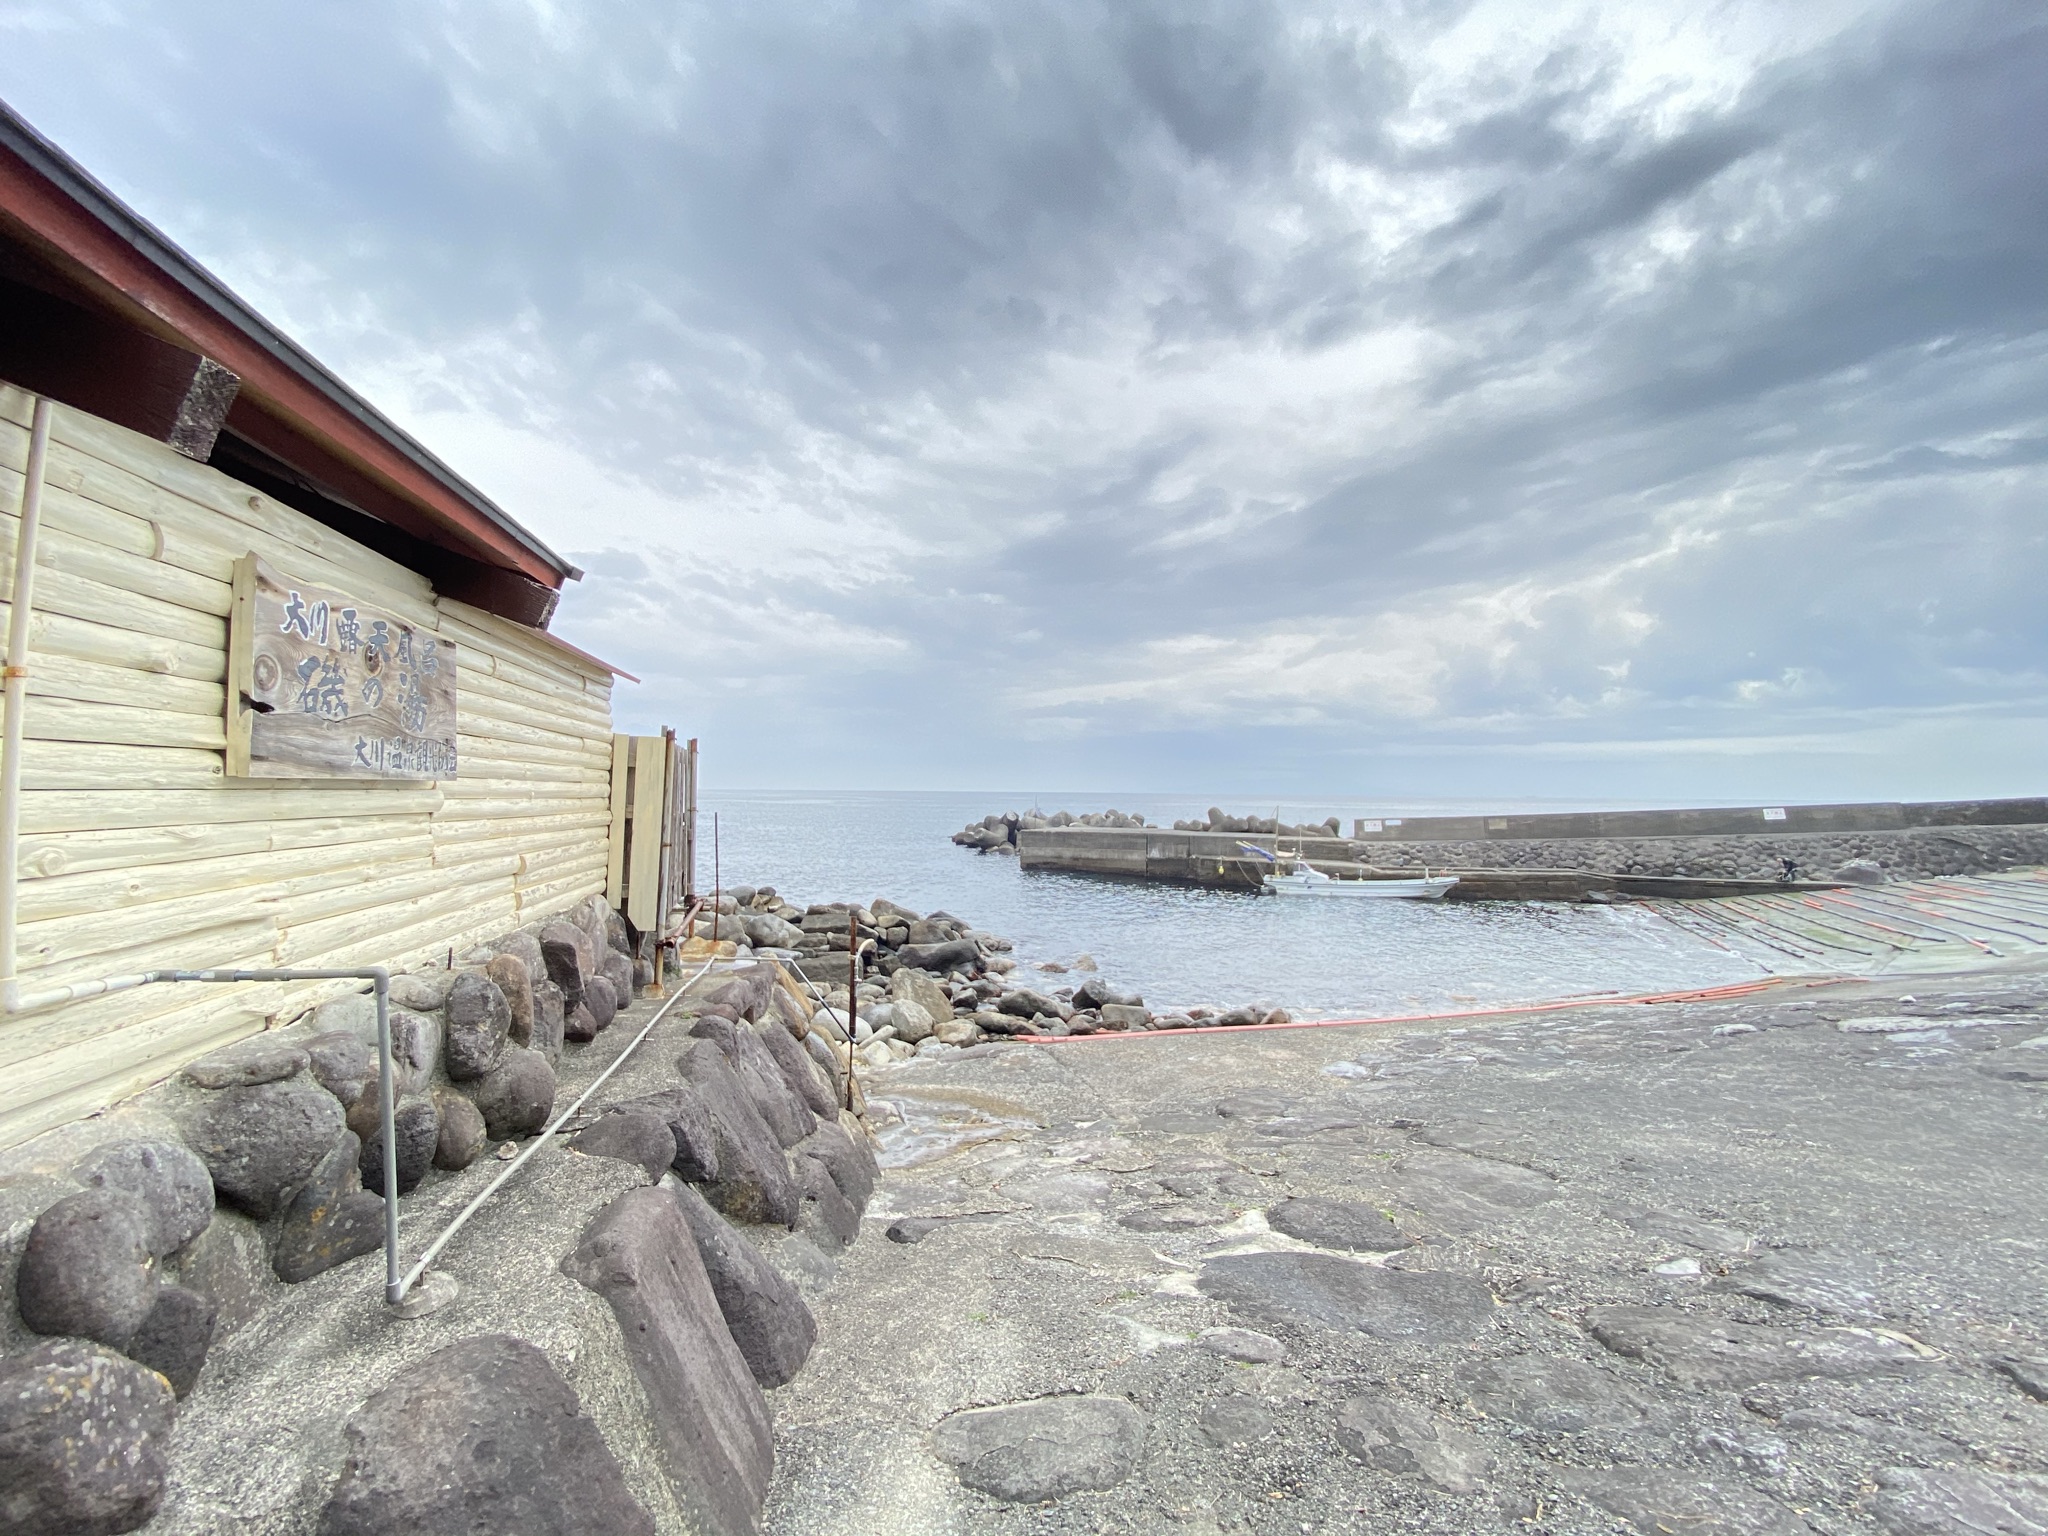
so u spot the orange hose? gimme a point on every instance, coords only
(1696, 995)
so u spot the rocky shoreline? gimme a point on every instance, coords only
(933, 982)
(992, 834)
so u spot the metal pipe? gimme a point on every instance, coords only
(852, 989)
(16, 697)
(400, 1287)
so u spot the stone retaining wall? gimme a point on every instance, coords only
(1904, 855)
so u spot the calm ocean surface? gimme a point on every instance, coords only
(1184, 947)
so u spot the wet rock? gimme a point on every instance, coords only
(167, 1177)
(85, 1269)
(550, 1020)
(330, 1220)
(174, 1338)
(709, 1420)
(764, 1312)
(1401, 1437)
(516, 1096)
(246, 1064)
(417, 1126)
(1554, 1394)
(753, 1182)
(1699, 1350)
(1337, 1224)
(477, 1020)
(1314, 1290)
(83, 1434)
(804, 1077)
(827, 1216)
(482, 1436)
(633, 1133)
(509, 975)
(1243, 1345)
(1234, 1421)
(1962, 1502)
(1657, 1502)
(601, 999)
(1043, 1449)
(463, 1135)
(341, 1063)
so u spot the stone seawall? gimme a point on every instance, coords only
(1904, 855)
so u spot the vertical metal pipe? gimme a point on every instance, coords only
(387, 1114)
(16, 695)
(717, 878)
(852, 1012)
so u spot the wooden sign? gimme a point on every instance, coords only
(322, 686)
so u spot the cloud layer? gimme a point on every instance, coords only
(1421, 398)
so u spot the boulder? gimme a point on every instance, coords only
(482, 1436)
(341, 1063)
(632, 1133)
(1032, 1451)
(561, 950)
(477, 1020)
(1862, 872)
(246, 1063)
(509, 975)
(763, 1311)
(616, 936)
(581, 1026)
(83, 1434)
(550, 1021)
(1024, 1003)
(462, 1136)
(827, 1217)
(174, 1338)
(946, 955)
(263, 1142)
(618, 970)
(1120, 1016)
(516, 1096)
(846, 1156)
(952, 1031)
(167, 1177)
(420, 991)
(764, 930)
(85, 1269)
(330, 1220)
(910, 984)
(415, 1049)
(689, 1124)
(803, 1075)
(912, 1020)
(779, 1105)
(601, 1000)
(417, 1123)
(708, 1418)
(524, 948)
(1097, 993)
(753, 1182)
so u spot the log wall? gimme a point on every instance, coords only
(139, 852)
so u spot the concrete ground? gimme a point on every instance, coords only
(1711, 1267)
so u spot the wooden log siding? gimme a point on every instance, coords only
(137, 851)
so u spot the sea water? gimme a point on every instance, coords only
(1184, 946)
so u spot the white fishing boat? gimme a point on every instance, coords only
(1302, 880)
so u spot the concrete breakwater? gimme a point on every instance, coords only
(1574, 857)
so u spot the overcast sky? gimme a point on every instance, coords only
(1368, 400)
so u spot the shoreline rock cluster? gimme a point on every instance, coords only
(929, 983)
(991, 834)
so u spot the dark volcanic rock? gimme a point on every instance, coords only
(167, 1177)
(949, 955)
(516, 1096)
(341, 1063)
(709, 1419)
(478, 1019)
(754, 1182)
(849, 1159)
(561, 951)
(1026, 1452)
(1337, 1224)
(262, 1143)
(85, 1269)
(601, 998)
(82, 1439)
(1401, 1437)
(550, 1020)
(768, 1319)
(481, 1437)
(689, 1123)
(1696, 1349)
(1916, 1502)
(618, 970)
(581, 1026)
(417, 1123)
(174, 1338)
(463, 1136)
(632, 1133)
(415, 1050)
(1314, 1290)
(828, 1217)
(246, 1063)
(509, 974)
(778, 1104)
(330, 1220)
(803, 1075)
(1555, 1394)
